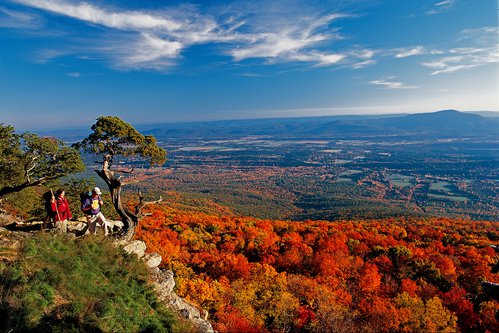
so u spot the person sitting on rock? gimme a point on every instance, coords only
(59, 208)
(92, 209)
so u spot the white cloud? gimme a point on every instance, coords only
(441, 7)
(273, 45)
(127, 20)
(463, 58)
(45, 56)
(480, 49)
(147, 52)
(74, 74)
(389, 83)
(480, 31)
(445, 3)
(153, 40)
(286, 39)
(480, 36)
(360, 58)
(408, 52)
(322, 59)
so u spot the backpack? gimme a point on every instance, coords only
(84, 197)
(47, 200)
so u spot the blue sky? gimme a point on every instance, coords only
(63, 62)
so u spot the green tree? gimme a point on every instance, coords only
(28, 160)
(112, 138)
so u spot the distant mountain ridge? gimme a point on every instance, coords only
(443, 120)
(435, 124)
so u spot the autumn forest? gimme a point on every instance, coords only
(391, 275)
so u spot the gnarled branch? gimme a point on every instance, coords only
(124, 170)
(29, 166)
(143, 203)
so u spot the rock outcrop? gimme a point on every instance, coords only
(137, 247)
(152, 260)
(164, 284)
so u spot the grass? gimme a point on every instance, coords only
(85, 285)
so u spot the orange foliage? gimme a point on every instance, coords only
(391, 275)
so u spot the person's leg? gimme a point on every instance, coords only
(64, 226)
(103, 222)
(92, 221)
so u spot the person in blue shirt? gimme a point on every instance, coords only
(92, 209)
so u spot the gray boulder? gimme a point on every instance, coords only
(137, 247)
(164, 284)
(152, 259)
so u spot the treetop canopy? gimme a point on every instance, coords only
(28, 160)
(112, 137)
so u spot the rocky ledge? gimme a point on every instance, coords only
(164, 285)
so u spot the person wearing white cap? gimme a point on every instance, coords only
(92, 208)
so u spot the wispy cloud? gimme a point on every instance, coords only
(285, 39)
(47, 55)
(140, 39)
(127, 20)
(142, 51)
(19, 20)
(390, 83)
(411, 51)
(441, 7)
(472, 48)
(481, 50)
(464, 58)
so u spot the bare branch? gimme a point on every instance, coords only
(28, 169)
(128, 182)
(143, 203)
(124, 170)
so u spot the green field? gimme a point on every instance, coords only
(343, 179)
(349, 172)
(400, 180)
(441, 186)
(448, 197)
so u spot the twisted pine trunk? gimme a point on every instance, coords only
(129, 219)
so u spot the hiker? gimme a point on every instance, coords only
(59, 208)
(91, 206)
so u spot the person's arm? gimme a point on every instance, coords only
(70, 216)
(53, 205)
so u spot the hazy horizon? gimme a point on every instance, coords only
(150, 124)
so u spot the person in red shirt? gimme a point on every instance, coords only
(59, 207)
